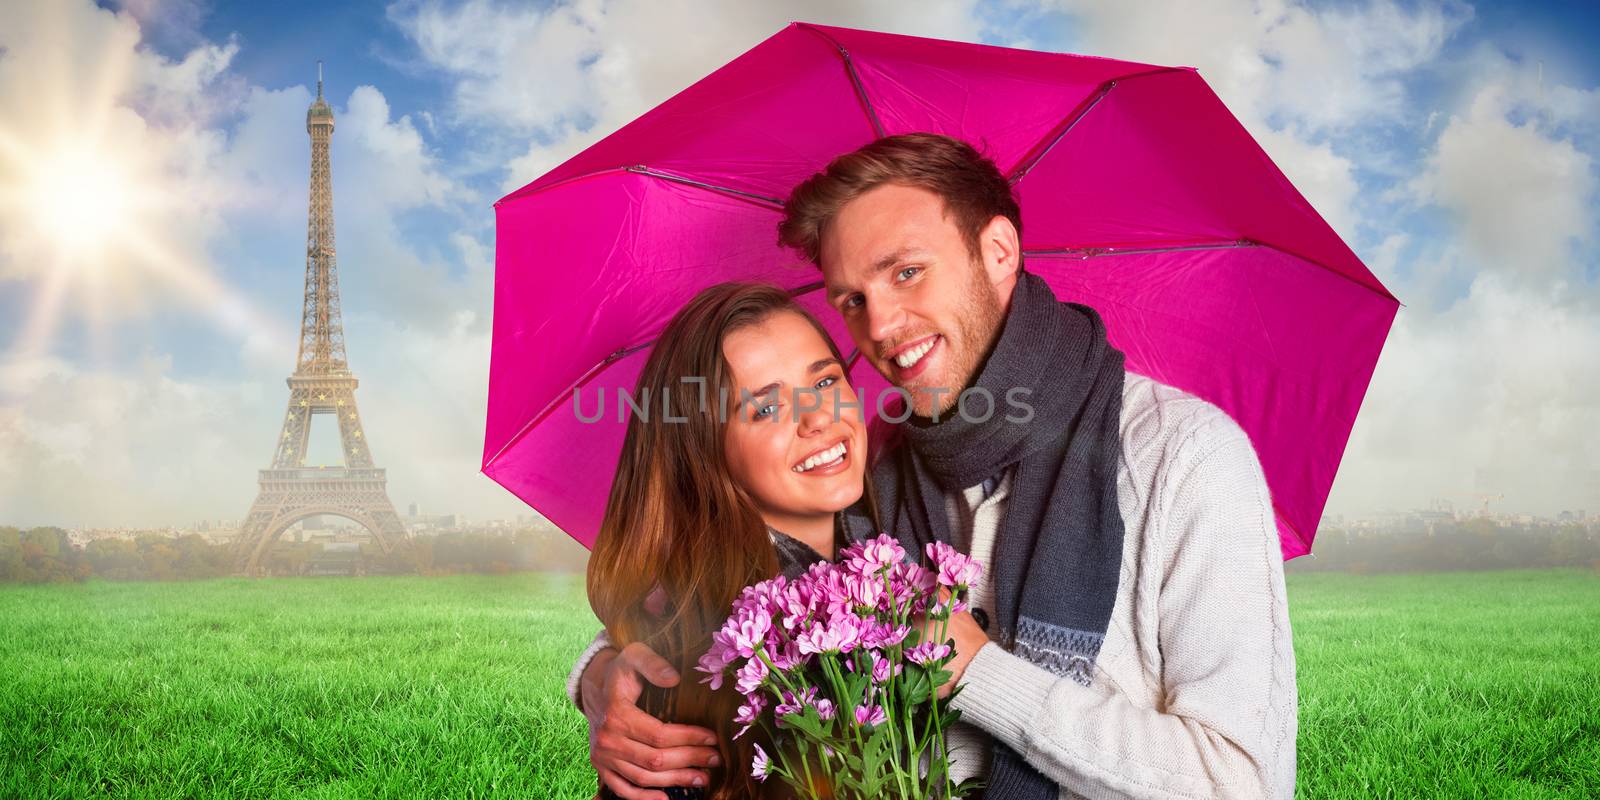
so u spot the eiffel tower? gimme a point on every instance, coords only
(322, 384)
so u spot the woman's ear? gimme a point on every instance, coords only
(655, 603)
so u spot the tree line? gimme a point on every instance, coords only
(1449, 545)
(46, 555)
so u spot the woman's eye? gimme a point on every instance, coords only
(826, 382)
(766, 411)
(908, 273)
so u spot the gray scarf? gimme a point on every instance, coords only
(1058, 555)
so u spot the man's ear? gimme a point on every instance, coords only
(1001, 249)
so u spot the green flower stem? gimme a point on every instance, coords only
(893, 696)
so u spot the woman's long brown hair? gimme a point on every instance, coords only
(677, 519)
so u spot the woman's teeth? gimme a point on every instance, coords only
(825, 457)
(910, 357)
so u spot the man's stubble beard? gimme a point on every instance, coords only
(978, 325)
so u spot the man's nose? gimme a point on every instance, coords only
(884, 319)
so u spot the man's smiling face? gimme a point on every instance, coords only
(920, 306)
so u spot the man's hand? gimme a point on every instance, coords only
(968, 639)
(631, 750)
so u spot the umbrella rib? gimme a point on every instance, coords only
(1094, 252)
(1049, 142)
(583, 380)
(667, 176)
(855, 80)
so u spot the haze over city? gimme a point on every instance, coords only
(153, 188)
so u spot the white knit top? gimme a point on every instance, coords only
(1194, 688)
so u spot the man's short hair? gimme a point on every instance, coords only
(972, 187)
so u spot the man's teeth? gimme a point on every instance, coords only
(827, 456)
(915, 354)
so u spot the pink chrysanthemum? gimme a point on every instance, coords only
(760, 765)
(927, 652)
(952, 567)
(750, 676)
(870, 716)
(749, 712)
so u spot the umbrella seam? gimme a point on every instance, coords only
(652, 172)
(1071, 121)
(525, 192)
(855, 81)
(1096, 252)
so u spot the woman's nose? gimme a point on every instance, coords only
(814, 416)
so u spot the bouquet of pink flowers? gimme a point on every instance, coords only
(834, 666)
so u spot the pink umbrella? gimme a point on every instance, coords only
(1142, 196)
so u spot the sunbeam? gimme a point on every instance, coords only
(101, 203)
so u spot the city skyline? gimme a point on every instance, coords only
(141, 360)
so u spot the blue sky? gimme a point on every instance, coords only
(1453, 144)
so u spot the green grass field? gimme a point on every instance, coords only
(1465, 685)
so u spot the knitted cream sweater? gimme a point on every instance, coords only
(1194, 688)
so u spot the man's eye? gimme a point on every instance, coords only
(853, 301)
(908, 273)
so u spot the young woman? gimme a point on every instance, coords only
(747, 477)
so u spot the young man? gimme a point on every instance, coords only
(1130, 637)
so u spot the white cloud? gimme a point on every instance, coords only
(1327, 69)
(1341, 67)
(1496, 394)
(1520, 197)
(131, 446)
(197, 88)
(517, 67)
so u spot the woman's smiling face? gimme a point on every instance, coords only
(796, 437)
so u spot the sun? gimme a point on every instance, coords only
(115, 197)
(81, 201)
(97, 223)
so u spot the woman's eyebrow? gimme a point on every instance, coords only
(816, 366)
(762, 392)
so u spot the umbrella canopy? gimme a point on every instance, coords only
(1141, 196)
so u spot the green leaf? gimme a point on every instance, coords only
(969, 786)
(806, 722)
(875, 752)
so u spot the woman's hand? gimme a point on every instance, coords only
(632, 751)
